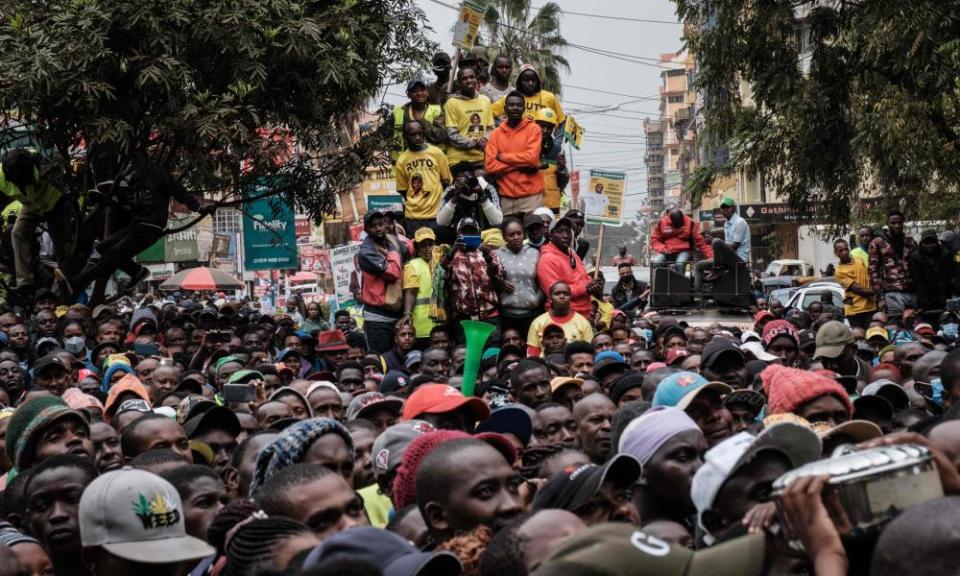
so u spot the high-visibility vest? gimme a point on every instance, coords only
(432, 112)
(422, 323)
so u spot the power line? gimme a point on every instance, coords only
(632, 58)
(620, 18)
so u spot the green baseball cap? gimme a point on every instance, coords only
(615, 549)
(728, 201)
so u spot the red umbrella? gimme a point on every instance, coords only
(202, 278)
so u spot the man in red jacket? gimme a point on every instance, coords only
(558, 263)
(674, 238)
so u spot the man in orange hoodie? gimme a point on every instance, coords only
(674, 238)
(512, 156)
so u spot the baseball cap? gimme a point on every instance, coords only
(391, 554)
(613, 549)
(750, 398)
(394, 381)
(425, 233)
(196, 412)
(608, 361)
(417, 80)
(924, 329)
(509, 419)
(48, 362)
(369, 216)
(441, 398)
(137, 516)
(413, 358)
(857, 430)
(682, 388)
(546, 115)
(676, 355)
(728, 201)
(532, 220)
(832, 338)
(798, 443)
(389, 447)
(561, 381)
(805, 339)
(244, 377)
(878, 332)
(890, 391)
(757, 350)
(719, 347)
(561, 220)
(371, 401)
(574, 486)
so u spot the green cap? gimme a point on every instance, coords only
(244, 376)
(728, 201)
(616, 549)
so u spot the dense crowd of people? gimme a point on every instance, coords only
(193, 433)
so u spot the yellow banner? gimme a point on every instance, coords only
(468, 23)
(573, 132)
(603, 200)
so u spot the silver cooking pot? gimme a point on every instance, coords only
(871, 486)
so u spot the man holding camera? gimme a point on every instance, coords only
(469, 196)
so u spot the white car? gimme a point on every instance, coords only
(813, 292)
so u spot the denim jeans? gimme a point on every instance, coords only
(679, 258)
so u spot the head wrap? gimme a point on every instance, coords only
(128, 383)
(113, 369)
(290, 447)
(646, 434)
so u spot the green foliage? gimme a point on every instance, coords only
(219, 93)
(526, 36)
(871, 108)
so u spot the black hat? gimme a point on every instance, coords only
(47, 362)
(198, 413)
(573, 487)
(719, 347)
(369, 216)
(632, 379)
(532, 220)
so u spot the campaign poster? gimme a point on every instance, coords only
(346, 273)
(468, 24)
(603, 200)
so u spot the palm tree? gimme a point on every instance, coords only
(514, 30)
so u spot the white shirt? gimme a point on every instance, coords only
(736, 230)
(595, 204)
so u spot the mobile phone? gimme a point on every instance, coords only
(144, 350)
(218, 337)
(238, 393)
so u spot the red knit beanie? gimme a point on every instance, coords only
(789, 388)
(404, 485)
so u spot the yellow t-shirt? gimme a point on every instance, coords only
(541, 99)
(847, 274)
(575, 327)
(376, 505)
(551, 192)
(421, 174)
(472, 119)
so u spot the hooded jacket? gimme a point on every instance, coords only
(539, 99)
(666, 239)
(554, 266)
(518, 147)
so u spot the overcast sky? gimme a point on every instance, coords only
(614, 139)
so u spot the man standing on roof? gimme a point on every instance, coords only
(513, 158)
(422, 174)
(420, 109)
(553, 166)
(529, 85)
(499, 84)
(674, 238)
(468, 120)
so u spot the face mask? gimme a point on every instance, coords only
(950, 330)
(75, 344)
(937, 386)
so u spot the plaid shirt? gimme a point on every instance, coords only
(889, 272)
(472, 294)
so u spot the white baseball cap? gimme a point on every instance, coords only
(798, 443)
(137, 516)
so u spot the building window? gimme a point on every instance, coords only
(675, 99)
(226, 221)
